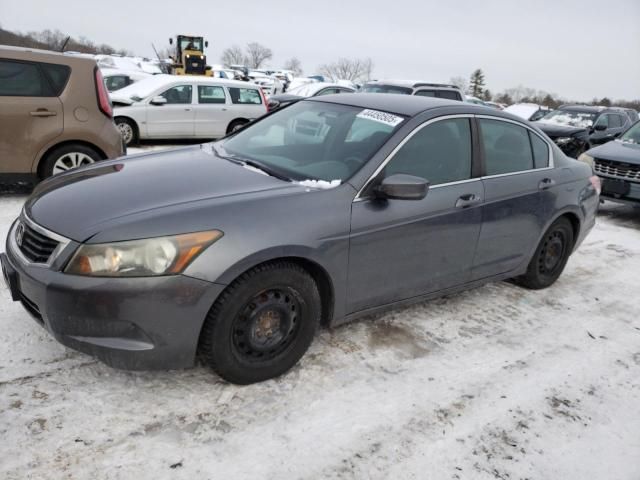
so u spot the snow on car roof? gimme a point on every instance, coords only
(310, 89)
(147, 86)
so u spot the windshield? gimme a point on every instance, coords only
(191, 43)
(569, 118)
(379, 88)
(632, 135)
(313, 140)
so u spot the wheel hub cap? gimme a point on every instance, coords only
(71, 160)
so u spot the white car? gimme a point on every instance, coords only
(528, 111)
(170, 106)
(116, 79)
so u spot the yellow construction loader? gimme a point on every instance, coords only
(190, 58)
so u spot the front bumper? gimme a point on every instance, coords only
(129, 323)
(618, 190)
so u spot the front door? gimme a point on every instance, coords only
(31, 115)
(405, 248)
(175, 118)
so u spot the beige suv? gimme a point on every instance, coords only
(55, 114)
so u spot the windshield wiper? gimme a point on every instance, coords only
(250, 163)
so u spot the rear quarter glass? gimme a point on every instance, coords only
(58, 76)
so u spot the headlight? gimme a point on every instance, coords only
(588, 159)
(141, 258)
(563, 140)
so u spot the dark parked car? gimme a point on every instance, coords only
(576, 128)
(418, 88)
(316, 89)
(617, 163)
(332, 208)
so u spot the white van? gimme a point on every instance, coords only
(171, 106)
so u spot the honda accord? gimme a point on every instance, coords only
(334, 207)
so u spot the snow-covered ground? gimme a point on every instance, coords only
(498, 382)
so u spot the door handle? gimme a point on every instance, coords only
(224, 109)
(546, 183)
(468, 200)
(42, 112)
(187, 109)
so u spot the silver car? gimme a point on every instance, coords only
(170, 106)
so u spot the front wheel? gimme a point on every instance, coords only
(550, 257)
(262, 324)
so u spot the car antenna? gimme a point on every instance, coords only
(64, 45)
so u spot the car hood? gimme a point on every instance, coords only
(555, 130)
(617, 151)
(124, 194)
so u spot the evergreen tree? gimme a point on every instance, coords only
(476, 83)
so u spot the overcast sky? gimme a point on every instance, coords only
(579, 49)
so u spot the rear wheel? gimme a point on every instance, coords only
(68, 157)
(262, 324)
(550, 257)
(236, 125)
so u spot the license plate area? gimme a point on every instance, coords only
(615, 187)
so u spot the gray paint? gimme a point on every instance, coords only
(375, 253)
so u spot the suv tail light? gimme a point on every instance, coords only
(596, 183)
(104, 103)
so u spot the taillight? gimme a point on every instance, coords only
(596, 183)
(264, 99)
(104, 103)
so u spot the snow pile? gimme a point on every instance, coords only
(320, 183)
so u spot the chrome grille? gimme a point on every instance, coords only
(35, 246)
(624, 171)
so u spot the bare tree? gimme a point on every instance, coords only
(233, 56)
(460, 82)
(257, 54)
(294, 65)
(356, 69)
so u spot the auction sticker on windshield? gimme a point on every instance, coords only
(382, 117)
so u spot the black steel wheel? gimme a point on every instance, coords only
(262, 324)
(550, 257)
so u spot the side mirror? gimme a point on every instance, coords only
(158, 101)
(171, 41)
(206, 43)
(402, 187)
(600, 127)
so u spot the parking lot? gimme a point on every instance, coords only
(498, 382)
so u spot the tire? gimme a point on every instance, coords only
(550, 257)
(128, 129)
(67, 157)
(262, 324)
(236, 125)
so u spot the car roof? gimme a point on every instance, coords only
(34, 54)
(407, 105)
(410, 83)
(588, 108)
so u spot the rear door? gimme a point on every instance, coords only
(30, 111)
(174, 119)
(213, 111)
(405, 248)
(520, 189)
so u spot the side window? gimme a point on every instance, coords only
(211, 94)
(18, 79)
(615, 121)
(425, 93)
(540, 151)
(245, 96)
(440, 153)
(603, 120)
(116, 82)
(507, 147)
(58, 76)
(327, 91)
(449, 95)
(178, 95)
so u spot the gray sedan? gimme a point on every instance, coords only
(326, 210)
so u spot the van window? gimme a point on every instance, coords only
(245, 96)
(22, 79)
(211, 94)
